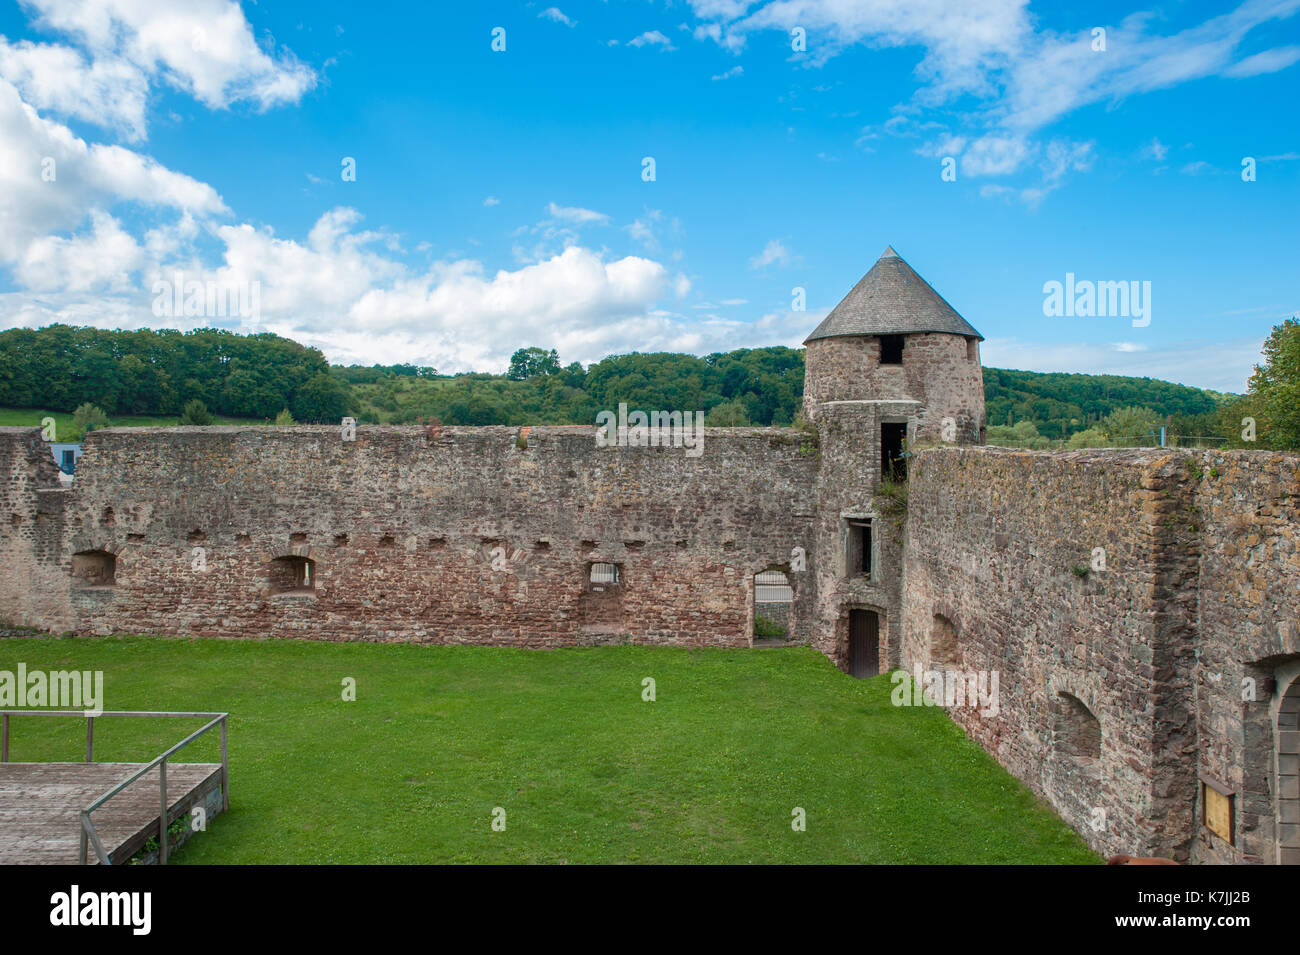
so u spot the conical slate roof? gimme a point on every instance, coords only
(892, 299)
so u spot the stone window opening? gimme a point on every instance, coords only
(293, 574)
(891, 349)
(1077, 732)
(858, 548)
(94, 568)
(973, 350)
(943, 641)
(893, 466)
(602, 575)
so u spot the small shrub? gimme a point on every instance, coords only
(893, 498)
(196, 412)
(284, 418)
(88, 417)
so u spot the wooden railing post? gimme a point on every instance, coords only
(225, 770)
(162, 819)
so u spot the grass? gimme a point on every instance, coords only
(585, 769)
(65, 430)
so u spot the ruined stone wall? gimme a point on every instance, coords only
(1249, 651)
(1000, 545)
(403, 529)
(32, 591)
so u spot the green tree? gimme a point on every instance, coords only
(322, 399)
(196, 412)
(1089, 438)
(1274, 389)
(530, 362)
(1132, 427)
(729, 414)
(284, 418)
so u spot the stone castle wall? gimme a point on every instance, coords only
(404, 529)
(1125, 687)
(1248, 649)
(31, 586)
(1200, 562)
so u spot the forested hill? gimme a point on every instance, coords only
(60, 368)
(1059, 402)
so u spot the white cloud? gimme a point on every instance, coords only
(728, 74)
(109, 92)
(652, 38)
(575, 215)
(774, 253)
(1155, 150)
(202, 47)
(340, 290)
(491, 201)
(994, 156)
(104, 259)
(729, 40)
(555, 14)
(86, 178)
(1269, 61)
(1026, 78)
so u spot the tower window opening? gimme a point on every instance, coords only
(893, 467)
(891, 349)
(857, 557)
(972, 350)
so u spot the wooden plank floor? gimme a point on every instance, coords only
(40, 805)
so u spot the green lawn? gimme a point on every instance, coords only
(585, 770)
(66, 431)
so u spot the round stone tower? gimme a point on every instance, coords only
(893, 366)
(894, 338)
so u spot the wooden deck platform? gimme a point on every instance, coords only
(40, 805)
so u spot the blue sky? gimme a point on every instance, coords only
(499, 198)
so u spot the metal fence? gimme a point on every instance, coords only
(772, 587)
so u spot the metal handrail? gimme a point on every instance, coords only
(88, 833)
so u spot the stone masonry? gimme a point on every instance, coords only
(1139, 608)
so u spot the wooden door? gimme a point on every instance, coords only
(864, 643)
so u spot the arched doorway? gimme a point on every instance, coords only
(1287, 737)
